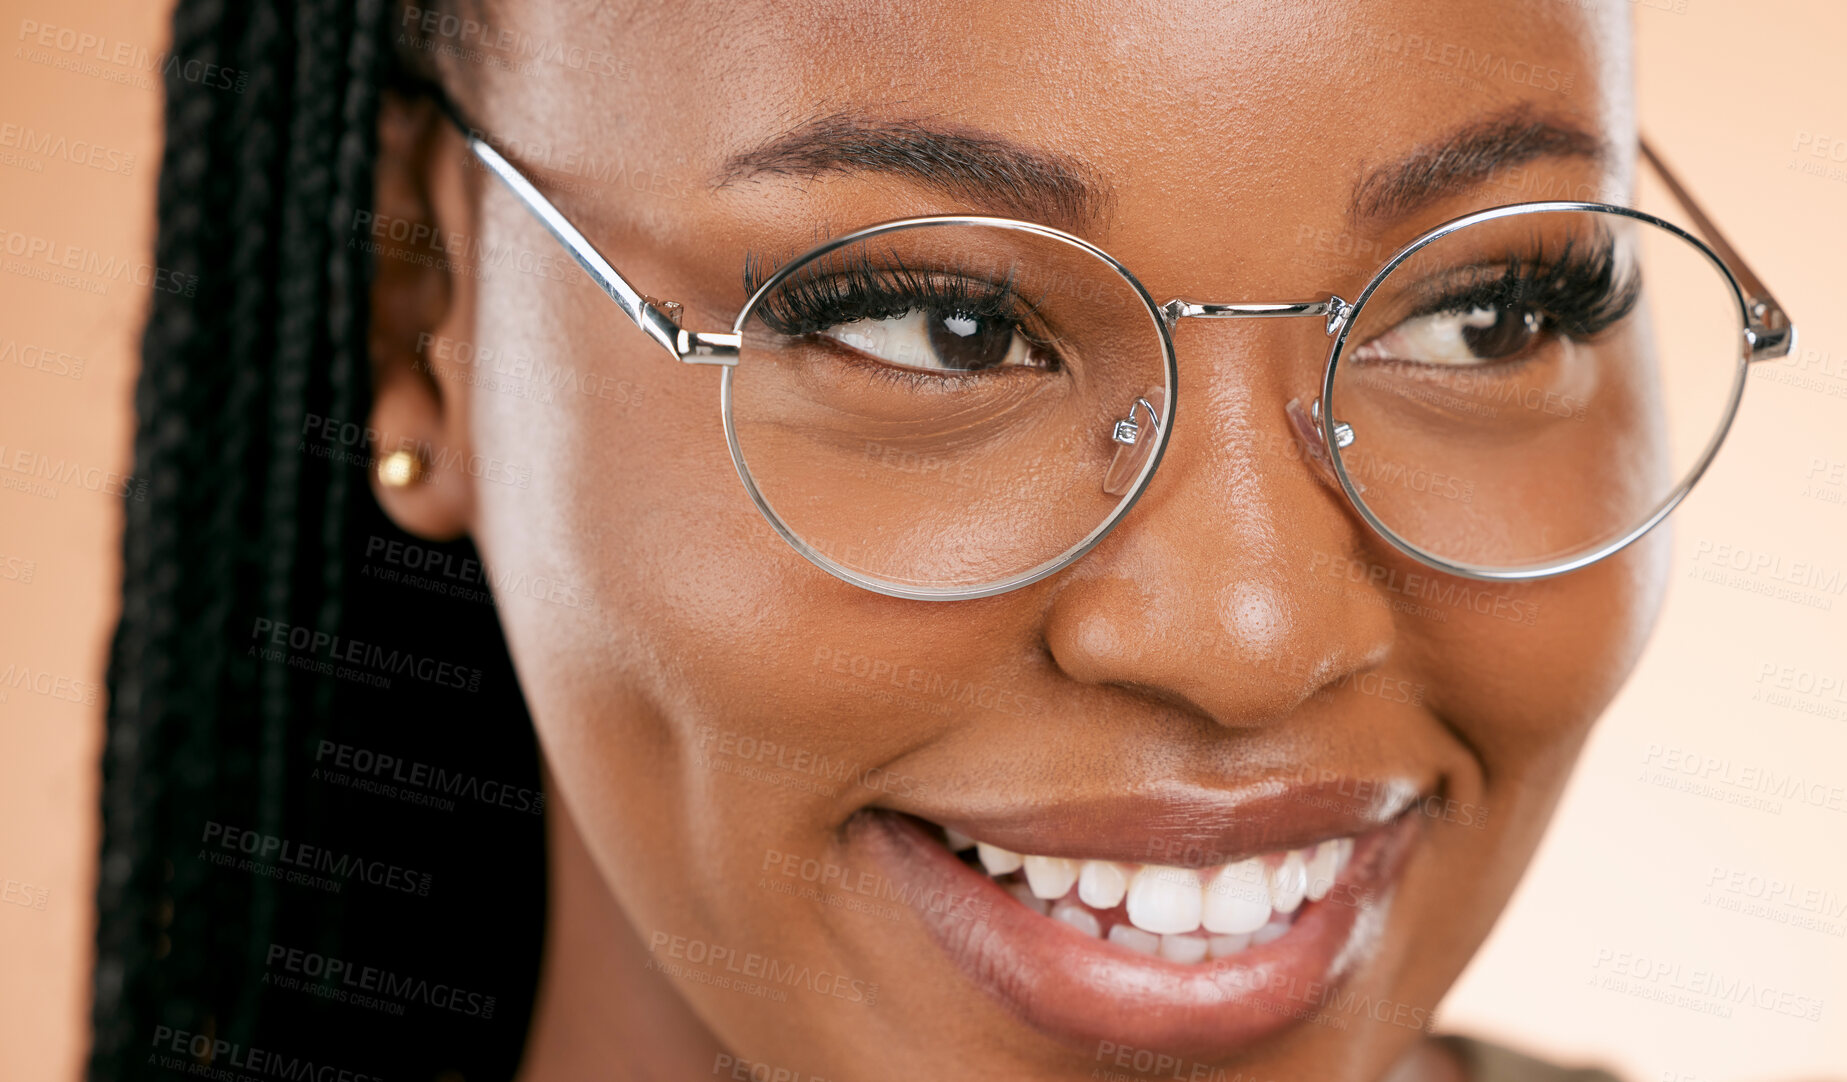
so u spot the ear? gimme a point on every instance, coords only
(419, 303)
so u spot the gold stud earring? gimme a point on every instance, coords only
(400, 469)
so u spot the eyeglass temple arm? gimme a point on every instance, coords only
(659, 320)
(1770, 333)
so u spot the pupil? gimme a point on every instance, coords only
(966, 343)
(1507, 335)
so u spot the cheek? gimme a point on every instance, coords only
(1524, 683)
(682, 647)
(632, 495)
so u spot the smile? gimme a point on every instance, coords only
(1184, 915)
(1240, 920)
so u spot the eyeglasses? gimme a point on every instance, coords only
(956, 406)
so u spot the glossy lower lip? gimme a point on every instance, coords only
(1085, 991)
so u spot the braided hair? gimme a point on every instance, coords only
(308, 848)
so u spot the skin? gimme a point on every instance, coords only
(1221, 130)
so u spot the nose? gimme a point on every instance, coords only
(1208, 594)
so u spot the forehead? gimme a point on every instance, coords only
(1268, 114)
(1226, 79)
(1089, 63)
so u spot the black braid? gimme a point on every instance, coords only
(131, 929)
(246, 523)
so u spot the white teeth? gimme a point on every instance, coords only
(1289, 883)
(996, 860)
(1051, 877)
(1037, 905)
(1078, 917)
(1240, 906)
(1125, 935)
(1237, 899)
(1164, 900)
(1102, 884)
(1270, 932)
(1222, 946)
(1322, 868)
(1185, 949)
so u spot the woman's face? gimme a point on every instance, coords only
(754, 753)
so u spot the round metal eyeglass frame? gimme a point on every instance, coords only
(1163, 425)
(1766, 334)
(1337, 465)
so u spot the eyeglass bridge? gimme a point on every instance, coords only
(1335, 309)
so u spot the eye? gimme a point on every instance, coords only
(942, 341)
(1459, 337)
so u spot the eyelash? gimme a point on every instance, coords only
(856, 288)
(1581, 293)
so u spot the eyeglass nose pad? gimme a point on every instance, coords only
(1307, 427)
(1136, 441)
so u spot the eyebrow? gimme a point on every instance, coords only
(978, 167)
(1469, 155)
(1027, 182)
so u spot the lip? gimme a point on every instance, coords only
(1188, 826)
(1084, 991)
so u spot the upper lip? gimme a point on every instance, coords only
(1185, 825)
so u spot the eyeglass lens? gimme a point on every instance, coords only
(1531, 389)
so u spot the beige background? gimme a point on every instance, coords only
(1653, 882)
